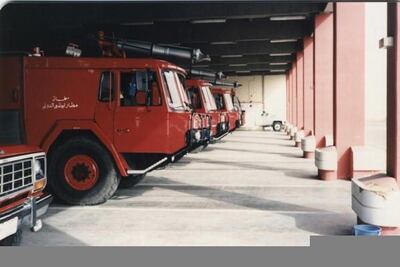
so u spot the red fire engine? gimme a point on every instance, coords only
(224, 103)
(99, 119)
(204, 102)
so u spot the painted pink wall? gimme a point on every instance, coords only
(349, 79)
(323, 77)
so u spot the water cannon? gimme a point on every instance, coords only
(112, 46)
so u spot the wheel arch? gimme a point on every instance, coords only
(64, 130)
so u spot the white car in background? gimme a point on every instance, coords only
(270, 120)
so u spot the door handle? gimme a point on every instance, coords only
(123, 130)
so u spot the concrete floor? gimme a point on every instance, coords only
(252, 188)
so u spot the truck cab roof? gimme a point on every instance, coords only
(96, 63)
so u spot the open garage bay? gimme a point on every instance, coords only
(252, 188)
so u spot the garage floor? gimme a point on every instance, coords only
(252, 188)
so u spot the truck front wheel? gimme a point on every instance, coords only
(81, 172)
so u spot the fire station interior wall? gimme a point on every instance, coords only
(375, 67)
(261, 93)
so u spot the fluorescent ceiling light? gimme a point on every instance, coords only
(277, 70)
(284, 41)
(242, 71)
(200, 21)
(279, 54)
(222, 43)
(138, 23)
(278, 63)
(283, 18)
(231, 56)
(237, 65)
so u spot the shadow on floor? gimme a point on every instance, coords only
(284, 154)
(292, 172)
(310, 219)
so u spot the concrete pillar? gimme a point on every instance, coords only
(287, 97)
(294, 93)
(349, 82)
(300, 91)
(308, 85)
(323, 77)
(393, 93)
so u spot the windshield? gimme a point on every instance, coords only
(236, 103)
(228, 102)
(209, 99)
(176, 94)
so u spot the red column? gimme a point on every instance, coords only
(290, 96)
(294, 93)
(300, 92)
(308, 85)
(287, 96)
(323, 77)
(393, 93)
(349, 78)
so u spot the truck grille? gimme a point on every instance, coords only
(15, 176)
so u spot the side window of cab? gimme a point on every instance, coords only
(139, 88)
(106, 87)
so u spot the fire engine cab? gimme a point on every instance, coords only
(204, 102)
(223, 99)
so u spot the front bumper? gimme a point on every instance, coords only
(222, 128)
(27, 213)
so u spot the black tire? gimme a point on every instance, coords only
(131, 181)
(108, 178)
(12, 240)
(277, 126)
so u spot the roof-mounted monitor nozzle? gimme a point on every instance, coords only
(227, 84)
(207, 74)
(117, 47)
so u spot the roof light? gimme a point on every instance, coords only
(231, 56)
(280, 54)
(281, 70)
(137, 23)
(278, 63)
(222, 43)
(242, 71)
(200, 21)
(237, 65)
(284, 18)
(283, 41)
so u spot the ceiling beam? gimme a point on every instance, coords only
(248, 48)
(252, 67)
(76, 14)
(247, 59)
(230, 75)
(231, 31)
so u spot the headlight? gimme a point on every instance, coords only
(39, 168)
(197, 135)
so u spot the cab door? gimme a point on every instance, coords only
(140, 123)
